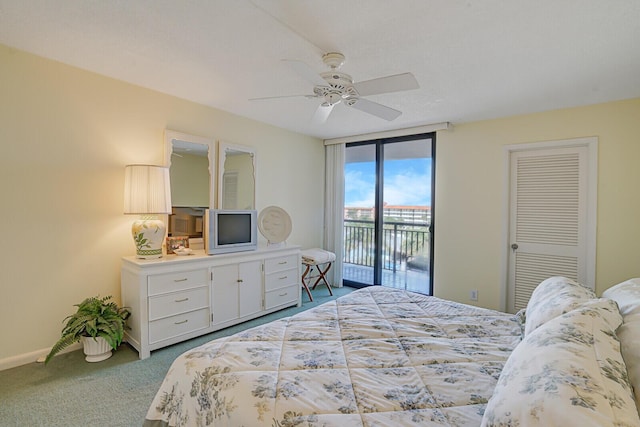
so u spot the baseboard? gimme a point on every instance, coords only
(32, 357)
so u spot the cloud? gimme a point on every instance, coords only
(359, 188)
(408, 188)
(406, 183)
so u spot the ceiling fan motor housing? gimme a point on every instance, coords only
(339, 87)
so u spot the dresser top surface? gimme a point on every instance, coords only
(201, 256)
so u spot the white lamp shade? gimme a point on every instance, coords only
(147, 190)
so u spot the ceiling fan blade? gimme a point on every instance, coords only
(306, 72)
(322, 113)
(283, 96)
(375, 109)
(395, 83)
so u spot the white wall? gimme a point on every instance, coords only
(66, 136)
(470, 195)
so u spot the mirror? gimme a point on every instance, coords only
(191, 169)
(236, 176)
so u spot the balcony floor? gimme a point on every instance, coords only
(410, 280)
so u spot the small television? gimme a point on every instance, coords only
(230, 231)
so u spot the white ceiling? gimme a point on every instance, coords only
(474, 60)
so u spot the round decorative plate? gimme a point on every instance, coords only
(274, 224)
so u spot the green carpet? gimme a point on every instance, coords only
(115, 392)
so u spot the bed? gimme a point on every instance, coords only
(385, 357)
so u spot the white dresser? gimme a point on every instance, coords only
(176, 298)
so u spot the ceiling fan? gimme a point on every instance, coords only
(335, 87)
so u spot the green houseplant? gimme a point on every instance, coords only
(95, 320)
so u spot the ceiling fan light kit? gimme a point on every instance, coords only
(335, 87)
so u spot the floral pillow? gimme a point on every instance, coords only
(553, 297)
(568, 372)
(627, 295)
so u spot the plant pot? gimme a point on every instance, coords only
(96, 350)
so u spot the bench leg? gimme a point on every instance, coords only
(323, 278)
(304, 283)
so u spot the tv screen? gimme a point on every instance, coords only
(234, 228)
(230, 231)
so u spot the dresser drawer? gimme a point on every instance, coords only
(178, 302)
(181, 324)
(281, 263)
(171, 282)
(280, 296)
(280, 279)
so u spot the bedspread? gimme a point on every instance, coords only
(375, 357)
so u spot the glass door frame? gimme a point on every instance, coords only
(379, 208)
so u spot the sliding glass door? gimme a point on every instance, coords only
(388, 213)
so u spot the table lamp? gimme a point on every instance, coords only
(147, 192)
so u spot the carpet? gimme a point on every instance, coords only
(116, 392)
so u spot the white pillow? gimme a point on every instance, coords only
(568, 372)
(627, 295)
(552, 298)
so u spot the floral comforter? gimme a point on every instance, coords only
(375, 357)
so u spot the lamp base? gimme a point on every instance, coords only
(148, 235)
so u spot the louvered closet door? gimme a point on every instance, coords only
(548, 233)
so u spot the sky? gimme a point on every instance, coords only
(407, 182)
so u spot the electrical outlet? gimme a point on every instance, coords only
(473, 295)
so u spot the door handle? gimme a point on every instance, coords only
(514, 246)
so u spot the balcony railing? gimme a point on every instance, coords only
(404, 244)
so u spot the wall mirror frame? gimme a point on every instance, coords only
(236, 176)
(190, 199)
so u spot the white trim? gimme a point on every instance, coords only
(34, 356)
(390, 133)
(591, 143)
(223, 146)
(504, 253)
(170, 135)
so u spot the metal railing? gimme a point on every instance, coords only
(403, 243)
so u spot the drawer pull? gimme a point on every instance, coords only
(180, 280)
(180, 323)
(283, 277)
(182, 300)
(285, 294)
(282, 262)
(240, 280)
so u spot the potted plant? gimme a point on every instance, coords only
(99, 323)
